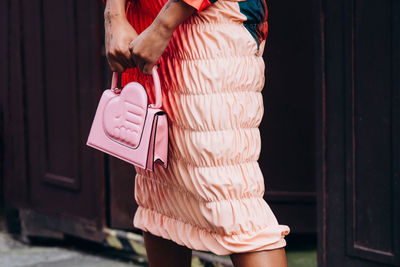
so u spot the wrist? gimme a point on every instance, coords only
(115, 10)
(172, 15)
(114, 15)
(165, 25)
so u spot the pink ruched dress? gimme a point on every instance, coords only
(210, 197)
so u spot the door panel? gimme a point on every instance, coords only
(60, 68)
(287, 128)
(372, 138)
(360, 116)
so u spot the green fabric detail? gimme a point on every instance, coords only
(254, 10)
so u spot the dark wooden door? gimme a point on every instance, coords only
(287, 129)
(53, 86)
(358, 118)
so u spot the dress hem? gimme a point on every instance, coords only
(185, 234)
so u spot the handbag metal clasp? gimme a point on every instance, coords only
(116, 90)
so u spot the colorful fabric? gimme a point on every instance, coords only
(212, 73)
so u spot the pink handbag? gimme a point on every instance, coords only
(127, 127)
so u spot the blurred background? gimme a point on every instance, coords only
(330, 136)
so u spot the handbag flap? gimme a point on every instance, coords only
(125, 114)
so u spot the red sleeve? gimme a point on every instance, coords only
(198, 4)
(104, 1)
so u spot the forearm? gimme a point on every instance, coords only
(173, 13)
(118, 35)
(115, 9)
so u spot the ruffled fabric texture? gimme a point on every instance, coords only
(211, 196)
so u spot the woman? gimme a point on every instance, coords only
(210, 197)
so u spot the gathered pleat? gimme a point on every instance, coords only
(211, 195)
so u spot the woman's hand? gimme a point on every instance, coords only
(148, 47)
(118, 34)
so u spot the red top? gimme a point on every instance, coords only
(140, 15)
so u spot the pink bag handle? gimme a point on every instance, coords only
(157, 86)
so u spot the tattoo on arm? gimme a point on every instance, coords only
(108, 16)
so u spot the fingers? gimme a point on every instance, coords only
(145, 66)
(120, 60)
(143, 63)
(125, 56)
(116, 67)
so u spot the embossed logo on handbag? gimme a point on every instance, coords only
(127, 127)
(124, 116)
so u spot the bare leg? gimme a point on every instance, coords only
(265, 258)
(166, 253)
